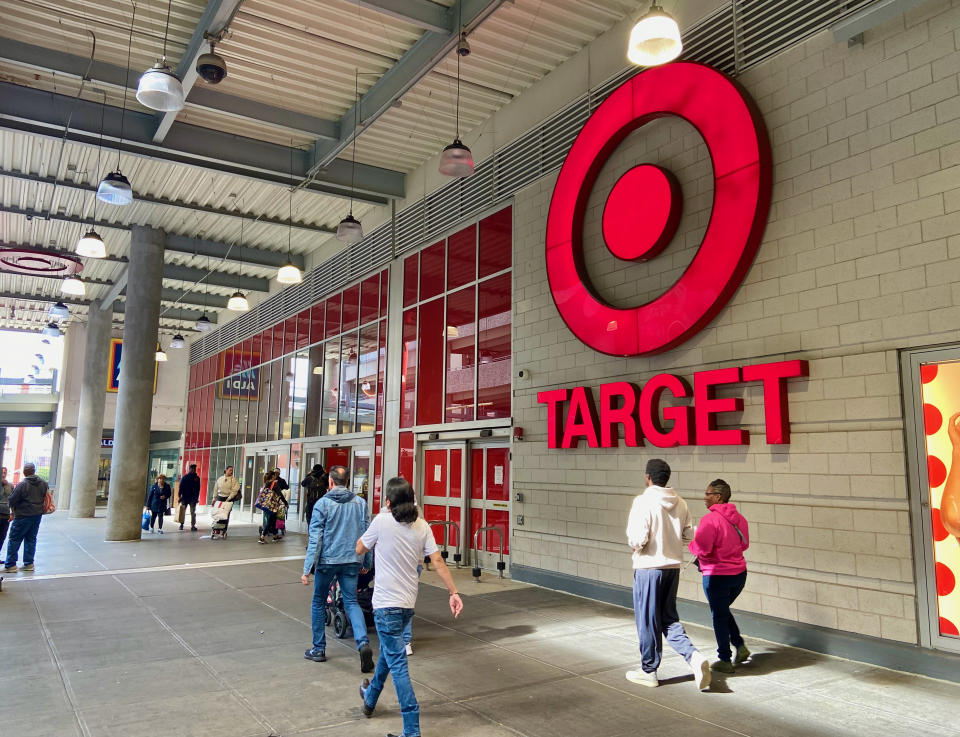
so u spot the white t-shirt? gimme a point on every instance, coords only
(400, 548)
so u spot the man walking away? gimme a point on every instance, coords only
(189, 496)
(314, 485)
(26, 503)
(338, 520)
(658, 525)
(6, 489)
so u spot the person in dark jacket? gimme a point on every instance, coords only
(157, 501)
(189, 496)
(314, 486)
(26, 503)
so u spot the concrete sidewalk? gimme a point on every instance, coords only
(217, 650)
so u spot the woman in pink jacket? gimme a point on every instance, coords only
(718, 544)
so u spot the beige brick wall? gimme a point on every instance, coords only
(859, 260)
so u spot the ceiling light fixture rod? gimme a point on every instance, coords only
(123, 109)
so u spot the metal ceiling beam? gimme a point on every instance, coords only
(256, 256)
(413, 66)
(216, 17)
(118, 287)
(175, 313)
(174, 243)
(179, 204)
(424, 14)
(870, 17)
(194, 298)
(35, 298)
(44, 113)
(216, 278)
(59, 252)
(61, 63)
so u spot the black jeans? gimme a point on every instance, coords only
(721, 592)
(4, 524)
(156, 517)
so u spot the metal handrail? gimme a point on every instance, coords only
(446, 524)
(501, 566)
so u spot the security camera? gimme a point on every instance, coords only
(463, 48)
(211, 67)
(523, 374)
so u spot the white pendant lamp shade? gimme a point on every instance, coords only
(238, 302)
(72, 285)
(51, 330)
(177, 342)
(160, 89)
(655, 39)
(290, 274)
(59, 311)
(115, 189)
(350, 230)
(91, 245)
(161, 356)
(203, 324)
(456, 160)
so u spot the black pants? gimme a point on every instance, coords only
(193, 513)
(156, 517)
(4, 524)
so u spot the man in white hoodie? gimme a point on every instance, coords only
(658, 526)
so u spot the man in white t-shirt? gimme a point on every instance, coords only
(401, 540)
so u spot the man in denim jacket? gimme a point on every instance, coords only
(339, 518)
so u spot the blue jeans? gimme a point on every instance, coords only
(391, 623)
(23, 529)
(721, 592)
(346, 574)
(655, 609)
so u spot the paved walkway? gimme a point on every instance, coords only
(123, 639)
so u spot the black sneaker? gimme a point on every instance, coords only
(364, 685)
(366, 658)
(316, 655)
(181, 527)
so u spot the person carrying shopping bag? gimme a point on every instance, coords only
(157, 501)
(270, 501)
(718, 544)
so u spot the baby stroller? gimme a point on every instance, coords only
(220, 517)
(336, 615)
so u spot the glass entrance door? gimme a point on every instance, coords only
(490, 501)
(441, 493)
(355, 458)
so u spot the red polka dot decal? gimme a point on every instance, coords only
(928, 373)
(940, 393)
(946, 581)
(939, 531)
(936, 471)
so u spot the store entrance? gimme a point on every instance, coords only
(483, 469)
(355, 458)
(287, 459)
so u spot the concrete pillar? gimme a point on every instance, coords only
(131, 444)
(93, 397)
(68, 445)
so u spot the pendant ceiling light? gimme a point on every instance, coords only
(203, 324)
(159, 87)
(51, 330)
(456, 159)
(177, 342)
(349, 230)
(72, 285)
(160, 355)
(115, 188)
(290, 273)
(59, 311)
(91, 244)
(655, 39)
(238, 301)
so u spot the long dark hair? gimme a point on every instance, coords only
(400, 495)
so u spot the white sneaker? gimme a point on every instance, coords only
(641, 677)
(701, 670)
(409, 649)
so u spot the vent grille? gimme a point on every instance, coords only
(738, 35)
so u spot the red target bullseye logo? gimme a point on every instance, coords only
(643, 209)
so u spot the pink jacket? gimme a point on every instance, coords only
(717, 545)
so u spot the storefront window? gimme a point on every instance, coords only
(331, 385)
(493, 346)
(408, 369)
(461, 350)
(430, 336)
(349, 367)
(368, 379)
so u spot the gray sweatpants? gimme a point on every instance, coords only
(655, 608)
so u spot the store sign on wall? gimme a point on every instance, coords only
(643, 209)
(637, 415)
(241, 374)
(113, 375)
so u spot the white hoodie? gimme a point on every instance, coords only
(659, 524)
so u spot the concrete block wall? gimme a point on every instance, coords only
(859, 260)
